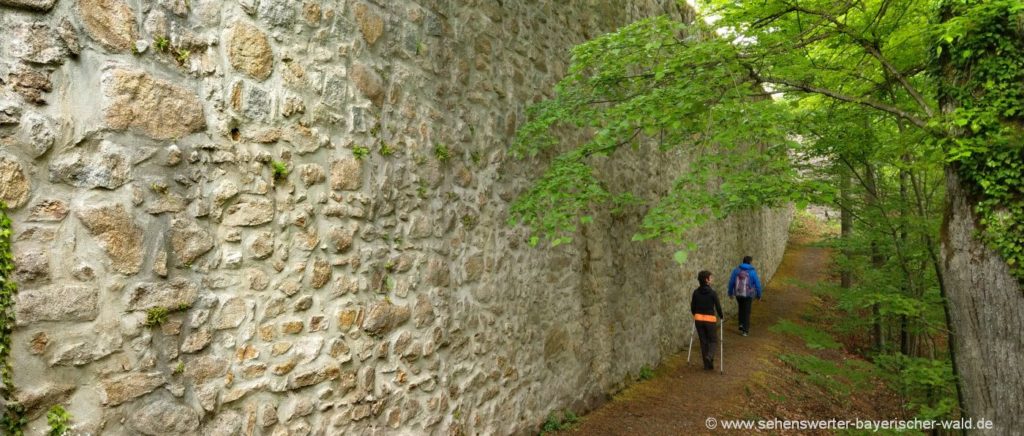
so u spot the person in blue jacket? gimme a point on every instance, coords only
(745, 286)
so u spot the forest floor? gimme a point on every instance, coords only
(788, 368)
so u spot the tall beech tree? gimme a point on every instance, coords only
(949, 73)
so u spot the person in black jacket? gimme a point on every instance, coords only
(704, 306)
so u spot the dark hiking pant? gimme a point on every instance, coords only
(708, 337)
(744, 304)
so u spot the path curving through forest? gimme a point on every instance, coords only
(681, 397)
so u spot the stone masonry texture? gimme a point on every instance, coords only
(262, 173)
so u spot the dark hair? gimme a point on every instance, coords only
(703, 276)
(747, 259)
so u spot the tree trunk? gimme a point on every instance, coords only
(904, 336)
(986, 309)
(876, 313)
(877, 260)
(909, 289)
(845, 228)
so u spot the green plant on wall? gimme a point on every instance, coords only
(156, 316)
(442, 153)
(58, 419)
(469, 221)
(183, 56)
(159, 188)
(161, 43)
(360, 152)
(280, 170)
(421, 189)
(13, 419)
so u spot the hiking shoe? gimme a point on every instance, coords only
(745, 333)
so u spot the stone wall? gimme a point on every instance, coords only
(172, 283)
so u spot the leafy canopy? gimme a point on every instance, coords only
(657, 81)
(733, 96)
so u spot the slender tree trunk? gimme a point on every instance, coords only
(921, 200)
(904, 336)
(879, 335)
(909, 287)
(845, 227)
(877, 260)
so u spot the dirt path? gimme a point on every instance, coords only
(681, 397)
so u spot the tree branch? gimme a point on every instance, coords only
(610, 148)
(872, 48)
(805, 87)
(877, 54)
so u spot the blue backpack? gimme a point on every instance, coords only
(744, 285)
